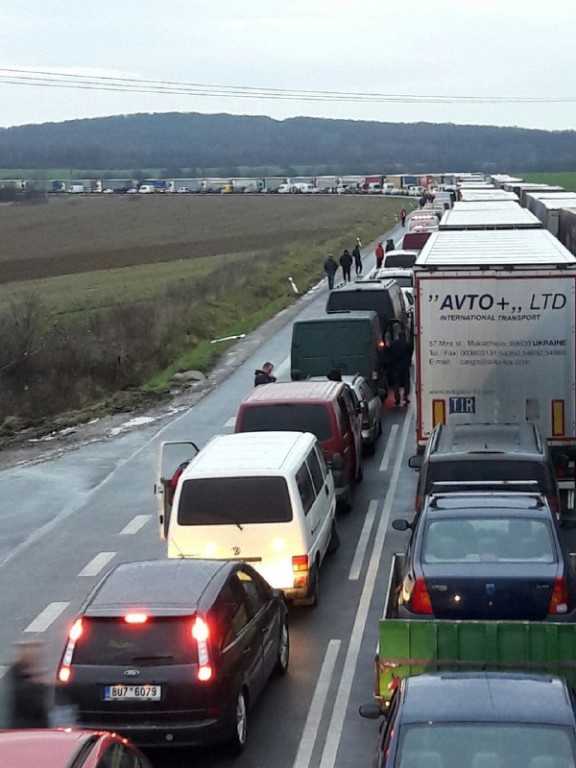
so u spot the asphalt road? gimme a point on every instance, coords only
(65, 521)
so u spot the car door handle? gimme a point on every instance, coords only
(246, 650)
(326, 490)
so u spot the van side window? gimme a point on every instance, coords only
(305, 488)
(318, 476)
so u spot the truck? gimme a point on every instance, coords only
(466, 216)
(159, 185)
(567, 228)
(547, 207)
(76, 189)
(413, 646)
(495, 338)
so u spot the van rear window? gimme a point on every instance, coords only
(234, 501)
(400, 260)
(378, 300)
(289, 417)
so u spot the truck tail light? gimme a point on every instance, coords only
(559, 599)
(299, 563)
(420, 599)
(65, 669)
(200, 631)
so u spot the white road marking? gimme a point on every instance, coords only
(3, 671)
(310, 733)
(137, 522)
(343, 695)
(96, 564)
(46, 617)
(230, 423)
(389, 445)
(356, 566)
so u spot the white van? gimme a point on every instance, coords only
(147, 189)
(263, 497)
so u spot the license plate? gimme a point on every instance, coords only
(132, 692)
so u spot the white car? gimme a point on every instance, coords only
(183, 190)
(132, 191)
(108, 191)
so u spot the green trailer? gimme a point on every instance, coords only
(411, 647)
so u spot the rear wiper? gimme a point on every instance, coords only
(160, 657)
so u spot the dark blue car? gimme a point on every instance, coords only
(477, 720)
(486, 555)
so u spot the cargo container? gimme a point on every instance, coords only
(547, 207)
(567, 228)
(464, 217)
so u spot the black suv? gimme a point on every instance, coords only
(174, 652)
(471, 457)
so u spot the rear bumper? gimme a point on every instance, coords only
(560, 618)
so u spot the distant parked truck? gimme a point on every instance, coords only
(567, 229)
(75, 189)
(116, 185)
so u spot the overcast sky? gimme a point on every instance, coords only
(503, 50)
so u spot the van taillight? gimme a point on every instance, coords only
(419, 503)
(420, 599)
(554, 504)
(300, 563)
(200, 631)
(559, 599)
(65, 669)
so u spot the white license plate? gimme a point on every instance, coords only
(132, 692)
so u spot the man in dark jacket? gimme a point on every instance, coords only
(346, 264)
(264, 375)
(399, 359)
(330, 267)
(357, 256)
(27, 694)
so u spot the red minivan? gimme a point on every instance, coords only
(327, 409)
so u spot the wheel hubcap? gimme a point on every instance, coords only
(241, 719)
(284, 647)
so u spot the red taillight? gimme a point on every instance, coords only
(300, 563)
(136, 618)
(554, 504)
(420, 599)
(65, 669)
(200, 631)
(559, 599)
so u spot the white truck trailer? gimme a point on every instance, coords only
(495, 333)
(547, 207)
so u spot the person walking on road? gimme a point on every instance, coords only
(357, 256)
(399, 358)
(264, 375)
(379, 253)
(330, 267)
(27, 693)
(403, 215)
(389, 245)
(346, 264)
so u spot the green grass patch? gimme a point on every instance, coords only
(561, 179)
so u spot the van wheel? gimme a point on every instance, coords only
(312, 598)
(240, 728)
(283, 651)
(345, 503)
(334, 542)
(360, 474)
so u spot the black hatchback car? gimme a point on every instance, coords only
(486, 556)
(174, 652)
(478, 720)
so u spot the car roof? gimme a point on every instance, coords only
(49, 748)
(488, 504)
(293, 391)
(163, 587)
(486, 697)
(487, 438)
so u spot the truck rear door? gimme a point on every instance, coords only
(172, 458)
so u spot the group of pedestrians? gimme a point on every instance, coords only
(345, 262)
(380, 251)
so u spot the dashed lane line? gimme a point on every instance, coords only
(137, 522)
(46, 617)
(356, 566)
(389, 447)
(96, 564)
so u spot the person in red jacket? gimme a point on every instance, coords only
(379, 253)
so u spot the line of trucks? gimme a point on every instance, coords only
(495, 341)
(407, 184)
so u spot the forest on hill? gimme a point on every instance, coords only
(186, 144)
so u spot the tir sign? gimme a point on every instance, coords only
(462, 405)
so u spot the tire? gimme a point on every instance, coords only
(240, 726)
(334, 543)
(283, 652)
(360, 474)
(345, 503)
(370, 449)
(312, 598)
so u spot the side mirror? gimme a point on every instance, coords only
(336, 464)
(401, 525)
(415, 462)
(371, 711)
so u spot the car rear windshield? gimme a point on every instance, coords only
(377, 299)
(159, 640)
(487, 470)
(501, 540)
(290, 417)
(509, 745)
(234, 501)
(402, 260)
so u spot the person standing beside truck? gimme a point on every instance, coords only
(400, 358)
(403, 215)
(264, 375)
(379, 253)
(346, 264)
(330, 267)
(389, 245)
(357, 256)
